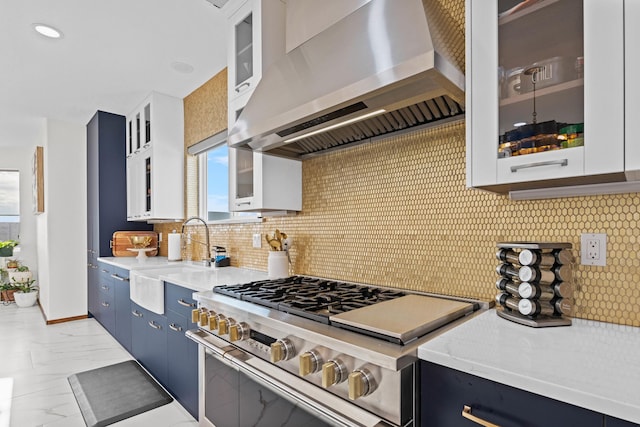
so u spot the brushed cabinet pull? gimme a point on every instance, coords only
(239, 88)
(154, 325)
(243, 203)
(185, 303)
(120, 278)
(104, 304)
(466, 413)
(104, 287)
(173, 327)
(104, 271)
(136, 313)
(561, 162)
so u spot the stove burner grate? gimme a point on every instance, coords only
(308, 297)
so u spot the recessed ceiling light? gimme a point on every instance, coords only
(47, 31)
(519, 124)
(182, 67)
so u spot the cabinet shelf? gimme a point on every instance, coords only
(542, 92)
(244, 49)
(526, 11)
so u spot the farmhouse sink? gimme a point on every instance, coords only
(147, 288)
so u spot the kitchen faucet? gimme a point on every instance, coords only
(206, 261)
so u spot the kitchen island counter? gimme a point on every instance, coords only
(590, 364)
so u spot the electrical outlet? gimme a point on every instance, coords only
(257, 240)
(593, 249)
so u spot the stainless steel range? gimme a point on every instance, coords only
(337, 353)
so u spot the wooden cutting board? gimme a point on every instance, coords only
(120, 243)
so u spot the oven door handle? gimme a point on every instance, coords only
(244, 362)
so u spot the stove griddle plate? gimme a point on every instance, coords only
(403, 319)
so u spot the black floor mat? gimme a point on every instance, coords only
(116, 392)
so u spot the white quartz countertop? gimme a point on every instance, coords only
(133, 263)
(204, 279)
(589, 364)
(186, 274)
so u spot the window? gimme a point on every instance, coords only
(214, 186)
(9, 205)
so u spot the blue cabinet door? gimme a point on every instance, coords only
(615, 422)
(444, 392)
(123, 308)
(149, 341)
(182, 361)
(138, 332)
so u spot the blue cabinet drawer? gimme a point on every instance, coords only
(178, 299)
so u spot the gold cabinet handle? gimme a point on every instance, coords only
(466, 413)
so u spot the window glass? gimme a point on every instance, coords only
(9, 205)
(214, 186)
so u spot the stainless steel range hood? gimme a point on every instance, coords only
(380, 57)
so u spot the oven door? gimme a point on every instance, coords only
(238, 389)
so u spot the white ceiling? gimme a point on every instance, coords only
(113, 53)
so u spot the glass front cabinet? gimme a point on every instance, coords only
(545, 93)
(155, 153)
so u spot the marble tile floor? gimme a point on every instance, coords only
(36, 359)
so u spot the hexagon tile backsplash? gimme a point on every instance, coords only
(397, 213)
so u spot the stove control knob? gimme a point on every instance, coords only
(361, 383)
(195, 314)
(224, 325)
(219, 319)
(204, 317)
(333, 372)
(238, 332)
(282, 349)
(213, 321)
(310, 362)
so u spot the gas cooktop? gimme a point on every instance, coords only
(309, 297)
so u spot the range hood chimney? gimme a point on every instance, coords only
(378, 67)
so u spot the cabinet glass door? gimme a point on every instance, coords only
(541, 78)
(243, 50)
(129, 138)
(147, 125)
(137, 132)
(244, 173)
(147, 186)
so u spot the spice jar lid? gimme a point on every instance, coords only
(527, 274)
(526, 307)
(526, 290)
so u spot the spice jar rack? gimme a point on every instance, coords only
(535, 285)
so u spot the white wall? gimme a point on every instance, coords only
(62, 228)
(19, 158)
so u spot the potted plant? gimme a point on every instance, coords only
(26, 294)
(12, 264)
(7, 292)
(20, 274)
(6, 247)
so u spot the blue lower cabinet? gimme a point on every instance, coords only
(149, 341)
(615, 422)
(445, 392)
(182, 366)
(122, 309)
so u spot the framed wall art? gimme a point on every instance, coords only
(38, 181)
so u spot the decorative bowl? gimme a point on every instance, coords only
(140, 242)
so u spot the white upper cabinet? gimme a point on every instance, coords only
(260, 182)
(256, 40)
(545, 93)
(632, 87)
(257, 182)
(155, 159)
